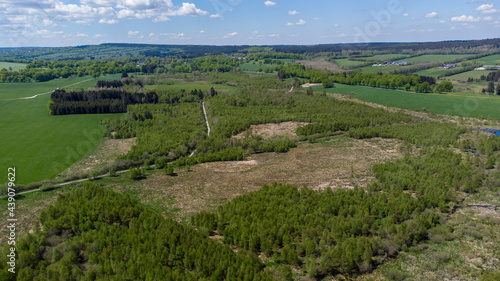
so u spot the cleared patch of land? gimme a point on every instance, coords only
(338, 162)
(285, 129)
(105, 153)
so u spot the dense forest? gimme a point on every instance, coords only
(102, 100)
(92, 233)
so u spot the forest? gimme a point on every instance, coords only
(92, 233)
(97, 101)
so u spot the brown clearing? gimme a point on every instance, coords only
(284, 129)
(340, 162)
(105, 153)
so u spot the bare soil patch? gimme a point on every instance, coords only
(321, 64)
(284, 129)
(340, 162)
(307, 85)
(105, 153)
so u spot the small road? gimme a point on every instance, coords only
(206, 119)
(46, 93)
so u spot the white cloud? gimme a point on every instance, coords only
(405, 14)
(484, 7)
(487, 9)
(99, 36)
(230, 35)
(215, 16)
(135, 34)
(111, 21)
(431, 15)
(78, 34)
(176, 36)
(464, 18)
(270, 3)
(300, 22)
(488, 19)
(202, 31)
(293, 13)
(442, 21)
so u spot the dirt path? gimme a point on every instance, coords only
(206, 119)
(32, 97)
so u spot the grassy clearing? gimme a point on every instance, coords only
(12, 66)
(478, 106)
(256, 66)
(347, 62)
(40, 145)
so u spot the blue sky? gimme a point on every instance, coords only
(239, 22)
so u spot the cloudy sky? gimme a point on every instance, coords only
(238, 22)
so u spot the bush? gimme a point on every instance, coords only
(394, 274)
(136, 174)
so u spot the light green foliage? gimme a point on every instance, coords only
(96, 233)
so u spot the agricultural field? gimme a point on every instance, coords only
(433, 72)
(12, 66)
(449, 104)
(434, 58)
(44, 145)
(347, 62)
(488, 60)
(475, 74)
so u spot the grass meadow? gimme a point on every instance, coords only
(12, 66)
(478, 106)
(38, 144)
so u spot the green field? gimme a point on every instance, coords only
(434, 72)
(347, 62)
(475, 74)
(478, 106)
(12, 66)
(40, 145)
(489, 60)
(434, 58)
